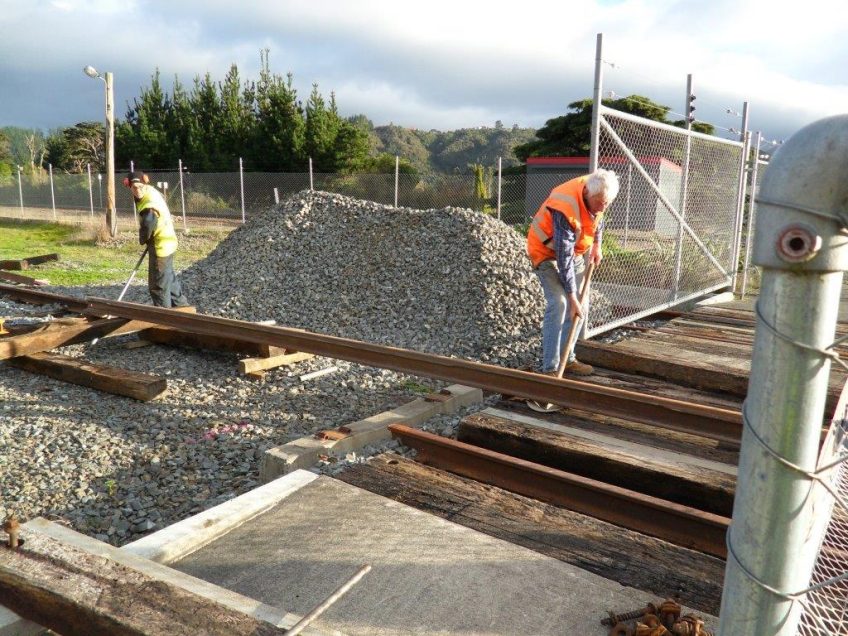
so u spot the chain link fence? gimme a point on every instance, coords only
(231, 198)
(670, 234)
(825, 606)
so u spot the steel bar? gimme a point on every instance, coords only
(322, 607)
(42, 297)
(682, 525)
(716, 423)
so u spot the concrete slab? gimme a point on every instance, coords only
(429, 576)
(12, 624)
(304, 452)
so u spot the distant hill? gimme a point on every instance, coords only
(446, 152)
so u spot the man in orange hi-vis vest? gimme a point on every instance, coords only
(567, 229)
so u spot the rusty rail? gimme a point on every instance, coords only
(42, 297)
(678, 524)
(723, 425)
(720, 424)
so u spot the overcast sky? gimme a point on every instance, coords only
(437, 64)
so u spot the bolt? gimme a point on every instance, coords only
(614, 618)
(798, 243)
(12, 527)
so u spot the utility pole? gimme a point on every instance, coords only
(111, 213)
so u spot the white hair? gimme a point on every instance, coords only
(603, 181)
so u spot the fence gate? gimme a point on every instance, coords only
(670, 235)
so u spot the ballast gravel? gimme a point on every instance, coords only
(448, 281)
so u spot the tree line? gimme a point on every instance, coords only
(263, 122)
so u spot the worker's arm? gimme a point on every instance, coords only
(146, 226)
(564, 241)
(595, 252)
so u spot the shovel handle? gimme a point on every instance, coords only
(135, 269)
(575, 324)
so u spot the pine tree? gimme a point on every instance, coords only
(280, 128)
(236, 121)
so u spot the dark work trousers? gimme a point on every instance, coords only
(162, 281)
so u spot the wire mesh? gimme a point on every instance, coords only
(825, 609)
(216, 198)
(651, 259)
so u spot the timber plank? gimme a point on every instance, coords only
(635, 432)
(168, 336)
(658, 386)
(637, 467)
(738, 356)
(698, 370)
(622, 555)
(25, 263)
(61, 333)
(660, 358)
(38, 260)
(79, 594)
(22, 280)
(141, 386)
(254, 365)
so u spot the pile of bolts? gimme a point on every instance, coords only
(656, 620)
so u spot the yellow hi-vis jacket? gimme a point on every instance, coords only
(164, 236)
(566, 199)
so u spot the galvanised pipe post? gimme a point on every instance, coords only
(594, 151)
(52, 191)
(774, 536)
(745, 138)
(20, 192)
(499, 187)
(752, 210)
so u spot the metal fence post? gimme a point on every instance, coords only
(684, 186)
(397, 172)
(499, 188)
(594, 153)
(276, 196)
(90, 192)
(20, 192)
(594, 150)
(52, 192)
(627, 203)
(776, 531)
(182, 195)
(311, 183)
(241, 181)
(744, 137)
(752, 208)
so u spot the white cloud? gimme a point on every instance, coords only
(441, 63)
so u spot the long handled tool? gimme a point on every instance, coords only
(135, 270)
(129, 281)
(569, 345)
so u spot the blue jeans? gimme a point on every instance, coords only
(557, 321)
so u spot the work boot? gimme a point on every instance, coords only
(575, 367)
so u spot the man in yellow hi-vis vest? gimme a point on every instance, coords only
(156, 230)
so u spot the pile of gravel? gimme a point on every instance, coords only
(448, 281)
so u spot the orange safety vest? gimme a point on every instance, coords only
(567, 199)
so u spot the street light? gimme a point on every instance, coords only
(111, 216)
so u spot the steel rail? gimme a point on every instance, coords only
(672, 522)
(720, 424)
(42, 297)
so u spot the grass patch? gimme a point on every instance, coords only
(85, 260)
(415, 387)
